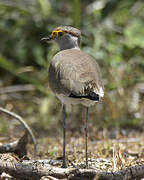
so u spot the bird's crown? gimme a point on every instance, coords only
(60, 31)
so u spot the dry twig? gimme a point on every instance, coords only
(20, 119)
(18, 147)
(33, 170)
(16, 88)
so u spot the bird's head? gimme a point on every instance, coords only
(66, 37)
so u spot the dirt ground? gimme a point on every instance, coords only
(109, 149)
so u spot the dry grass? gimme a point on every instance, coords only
(109, 149)
(105, 154)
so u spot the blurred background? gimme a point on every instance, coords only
(113, 33)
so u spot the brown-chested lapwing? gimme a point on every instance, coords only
(74, 76)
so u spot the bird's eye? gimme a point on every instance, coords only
(60, 33)
(54, 34)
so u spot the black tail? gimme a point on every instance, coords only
(92, 96)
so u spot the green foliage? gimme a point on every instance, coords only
(53, 152)
(12, 68)
(77, 13)
(134, 33)
(3, 127)
(114, 35)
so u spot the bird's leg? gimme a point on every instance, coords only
(86, 137)
(64, 165)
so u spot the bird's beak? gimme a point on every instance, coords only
(47, 39)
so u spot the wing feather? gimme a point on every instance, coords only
(73, 71)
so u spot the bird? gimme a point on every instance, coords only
(74, 77)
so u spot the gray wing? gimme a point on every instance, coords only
(72, 71)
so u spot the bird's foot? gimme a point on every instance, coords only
(64, 165)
